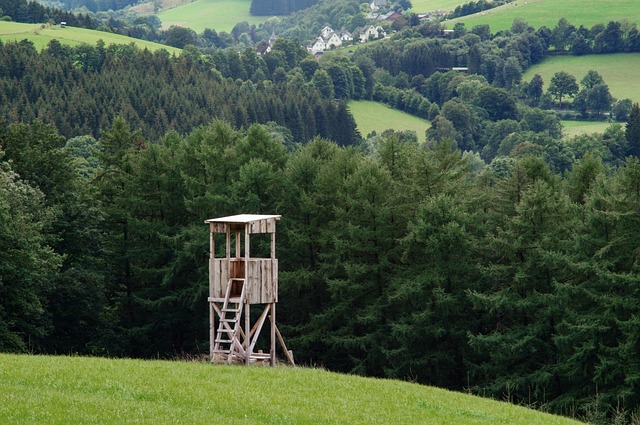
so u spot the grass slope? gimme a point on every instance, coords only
(221, 15)
(72, 36)
(68, 390)
(376, 116)
(619, 70)
(419, 6)
(575, 128)
(547, 12)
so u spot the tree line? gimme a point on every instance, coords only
(82, 89)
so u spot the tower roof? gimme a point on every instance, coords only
(254, 223)
(243, 218)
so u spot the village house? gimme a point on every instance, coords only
(377, 4)
(370, 32)
(391, 15)
(318, 46)
(346, 36)
(329, 39)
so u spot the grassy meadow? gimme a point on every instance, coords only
(420, 6)
(576, 128)
(221, 15)
(547, 12)
(82, 390)
(41, 35)
(376, 116)
(619, 70)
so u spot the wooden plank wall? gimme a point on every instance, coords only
(263, 226)
(262, 281)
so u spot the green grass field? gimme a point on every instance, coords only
(72, 36)
(81, 390)
(420, 6)
(576, 128)
(221, 15)
(547, 12)
(619, 70)
(376, 116)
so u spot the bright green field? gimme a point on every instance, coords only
(221, 15)
(71, 36)
(376, 116)
(575, 128)
(420, 6)
(619, 70)
(547, 12)
(80, 390)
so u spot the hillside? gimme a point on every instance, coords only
(376, 116)
(41, 35)
(42, 389)
(221, 15)
(547, 12)
(619, 71)
(430, 5)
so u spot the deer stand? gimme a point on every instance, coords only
(236, 283)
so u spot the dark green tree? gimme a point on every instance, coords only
(562, 84)
(28, 266)
(632, 131)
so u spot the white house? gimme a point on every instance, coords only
(377, 4)
(371, 32)
(318, 46)
(346, 36)
(333, 41)
(326, 31)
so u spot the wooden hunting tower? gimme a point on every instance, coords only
(239, 281)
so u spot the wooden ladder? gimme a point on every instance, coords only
(227, 341)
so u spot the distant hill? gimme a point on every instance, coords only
(221, 15)
(41, 34)
(547, 12)
(44, 389)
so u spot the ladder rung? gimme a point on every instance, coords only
(224, 341)
(235, 300)
(227, 320)
(231, 310)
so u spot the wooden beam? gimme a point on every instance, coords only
(258, 328)
(273, 246)
(284, 347)
(212, 331)
(273, 334)
(247, 324)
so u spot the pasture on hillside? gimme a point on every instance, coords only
(83, 390)
(619, 71)
(419, 6)
(220, 15)
(547, 12)
(377, 116)
(576, 128)
(42, 34)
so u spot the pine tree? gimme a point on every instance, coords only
(632, 131)
(526, 257)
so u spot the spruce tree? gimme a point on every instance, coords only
(632, 131)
